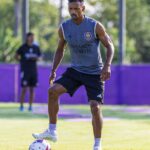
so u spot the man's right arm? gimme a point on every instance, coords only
(17, 57)
(58, 55)
(18, 53)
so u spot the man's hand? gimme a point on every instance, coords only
(17, 57)
(52, 77)
(106, 73)
(34, 58)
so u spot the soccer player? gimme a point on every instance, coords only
(83, 36)
(28, 55)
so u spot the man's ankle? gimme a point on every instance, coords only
(21, 104)
(52, 127)
(97, 142)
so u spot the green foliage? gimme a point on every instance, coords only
(137, 32)
(8, 45)
(138, 20)
(6, 14)
(44, 23)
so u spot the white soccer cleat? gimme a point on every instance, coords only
(97, 148)
(47, 135)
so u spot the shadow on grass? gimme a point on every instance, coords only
(125, 115)
(113, 112)
(14, 113)
(10, 111)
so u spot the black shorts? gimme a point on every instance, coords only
(72, 80)
(28, 79)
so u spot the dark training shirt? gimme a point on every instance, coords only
(28, 55)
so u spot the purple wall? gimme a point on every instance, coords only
(128, 85)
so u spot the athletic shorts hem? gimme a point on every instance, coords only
(101, 101)
(62, 84)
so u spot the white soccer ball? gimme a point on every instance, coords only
(40, 145)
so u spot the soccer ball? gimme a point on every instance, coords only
(40, 145)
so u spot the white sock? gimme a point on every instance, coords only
(97, 142)
(52, 127)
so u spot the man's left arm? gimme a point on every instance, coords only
(39, 53)
(107, 42)
(18, 54)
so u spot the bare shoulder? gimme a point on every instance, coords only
(100, 29)
(60, 32)
(103, 35)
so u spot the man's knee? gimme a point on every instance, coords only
(53, 92)
(56, 90)
(24, 89)
(95, 108)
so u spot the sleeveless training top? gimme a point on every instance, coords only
(84, 45)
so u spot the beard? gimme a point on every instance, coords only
(74, 16)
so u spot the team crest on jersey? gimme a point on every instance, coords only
(88, 36)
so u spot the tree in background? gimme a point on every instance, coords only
(44, 19)
(137, 32)
(44, 23)
(17, 15)
(8, 43)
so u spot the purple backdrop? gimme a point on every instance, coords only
(128, 85)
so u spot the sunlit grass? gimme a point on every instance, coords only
(124, 133)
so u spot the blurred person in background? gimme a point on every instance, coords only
(28, 54)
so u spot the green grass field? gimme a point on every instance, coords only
(128, 131)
